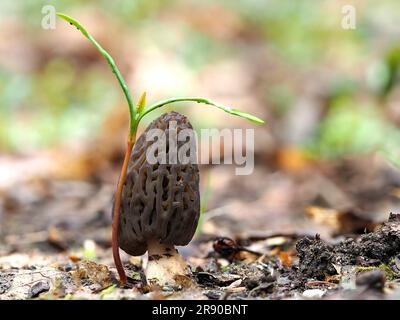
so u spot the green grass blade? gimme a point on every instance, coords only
(110, 61)
(229, 110)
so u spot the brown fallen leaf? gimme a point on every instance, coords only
(292, 159)
(333, 278)
(319, 283)
(94, 272)
(342, 221)
(56, 239)
(275, 251)
(184, 281)
(74, 258)
(286, 259)
(246, 256)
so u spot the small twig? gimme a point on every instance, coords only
(21, 272)
(27, 238)
(319, 283)
(102, 288)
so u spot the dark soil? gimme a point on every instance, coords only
(317, 258)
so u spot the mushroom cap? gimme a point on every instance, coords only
(159, 202)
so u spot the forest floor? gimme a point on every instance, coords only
(324, 232)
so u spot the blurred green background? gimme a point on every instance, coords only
(326, 90)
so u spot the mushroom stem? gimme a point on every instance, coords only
(117, 204)
(164, 264)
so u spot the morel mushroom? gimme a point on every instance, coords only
(160, 205)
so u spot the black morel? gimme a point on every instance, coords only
(161, 201)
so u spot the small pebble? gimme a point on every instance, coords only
(171, 288)
(235, 284)
(374, 279)
(38, 288)
(213, 294)
(313, 293)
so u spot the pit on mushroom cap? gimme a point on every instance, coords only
(160, 205)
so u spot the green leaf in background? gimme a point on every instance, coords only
(353, 128)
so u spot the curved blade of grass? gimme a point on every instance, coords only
(229, 110)
(112, 64)
(131, 140)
